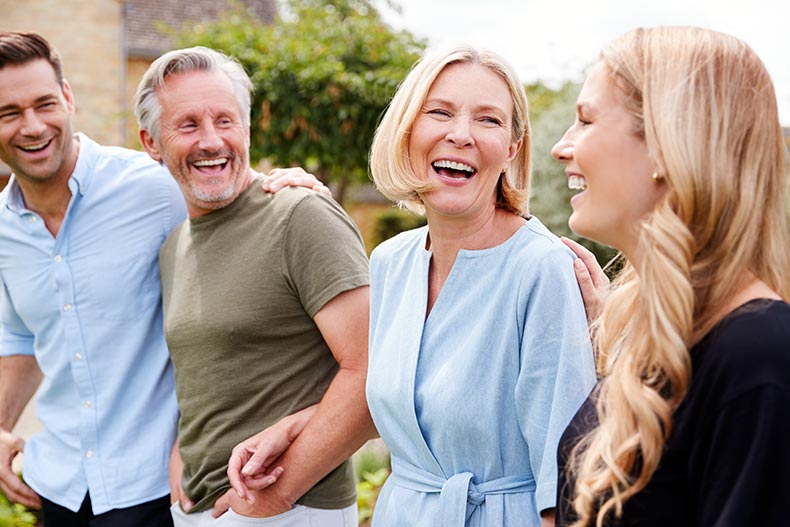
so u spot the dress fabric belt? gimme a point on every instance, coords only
(456, 491)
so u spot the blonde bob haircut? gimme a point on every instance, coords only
(389, 155)
(706, 108)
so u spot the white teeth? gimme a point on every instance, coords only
(453, 165)
(210, 162)
(39, 146)
(577, 183)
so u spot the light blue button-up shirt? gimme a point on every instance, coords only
(88, 305)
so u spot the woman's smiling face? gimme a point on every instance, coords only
(462, 140)
(608, 159)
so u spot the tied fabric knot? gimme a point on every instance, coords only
(473, 495)
(458, 490)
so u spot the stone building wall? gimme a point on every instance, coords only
(88, 34)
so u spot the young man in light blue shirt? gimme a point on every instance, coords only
(80, 230)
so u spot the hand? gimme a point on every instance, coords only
(280, 178)
(547, 518)
(250, 464)
(263, 504)
(176, 471)
(10, 484)
(594, 284)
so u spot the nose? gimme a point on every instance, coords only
(460, 132)
(209, 139)
(562, 151)
(32, 124)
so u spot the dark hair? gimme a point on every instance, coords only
(17, 49)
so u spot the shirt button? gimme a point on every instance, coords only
(67, 307)
(32, 219)
(78, 356)
(87, 404)
(89, 454)
(58, 258)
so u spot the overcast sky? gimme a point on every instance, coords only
(555, 40)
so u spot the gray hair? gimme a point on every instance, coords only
(147, 107)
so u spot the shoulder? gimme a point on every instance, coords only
(748, 349)
(401, 243)
(300, 204)
(539, 254)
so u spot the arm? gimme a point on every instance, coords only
(341, 423)
(594, 284)
(176, 470)
(19, 378)
(557, 370)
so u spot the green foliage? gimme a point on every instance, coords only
(15, 515)
(551, 112)
(323, 73)
(372, 468)
(368, 490)
(392, 221)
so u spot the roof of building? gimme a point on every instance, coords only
(144, 20)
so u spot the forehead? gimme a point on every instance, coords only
(599, 89)
(472, 83)
(31, 80)
(198, 92)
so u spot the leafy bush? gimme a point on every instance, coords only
(394, 221)
(15, 515)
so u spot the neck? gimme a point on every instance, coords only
(447, 237)
(50, 198)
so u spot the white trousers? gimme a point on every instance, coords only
(299, 516)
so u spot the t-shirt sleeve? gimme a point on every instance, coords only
(557, 370)
(744, 480)
(323, 252)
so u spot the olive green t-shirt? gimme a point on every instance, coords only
(240, 288)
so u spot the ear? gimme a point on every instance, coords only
(68, 95)
(150, 145)
(513, 150)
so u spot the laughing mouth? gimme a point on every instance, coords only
(577, 182)
(453, 169)
(219, 163)
(36, 147)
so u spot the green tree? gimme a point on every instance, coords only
(551, 112)
(323, 73)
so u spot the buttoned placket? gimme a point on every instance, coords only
(79, 359)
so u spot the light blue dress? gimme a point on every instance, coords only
(472, 401)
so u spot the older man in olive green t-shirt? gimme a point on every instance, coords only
(266, 307)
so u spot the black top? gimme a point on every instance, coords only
(727, 460)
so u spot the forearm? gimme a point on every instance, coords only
(341, 424)
(19, 378)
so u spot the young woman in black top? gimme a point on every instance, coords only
(680, 157)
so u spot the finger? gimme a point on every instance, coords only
(18, 492)
(590, 296)
(255, 463)
(234, 474)
(221, 506)
(262, 481)
(323, 189)
(597, 275)
(186, 503)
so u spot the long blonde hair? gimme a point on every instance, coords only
(706, 108)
